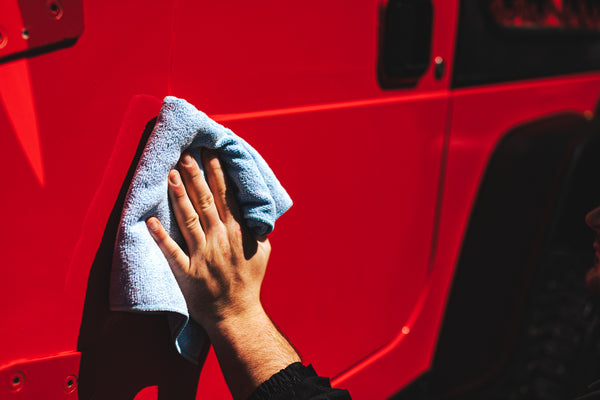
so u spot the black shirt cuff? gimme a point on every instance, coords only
(297, 382)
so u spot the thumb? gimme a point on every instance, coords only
(176, 257)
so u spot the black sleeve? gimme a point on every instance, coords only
(592, 392)
(297, 382)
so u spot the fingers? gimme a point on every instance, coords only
(224, 198)
(199, 193)
(186, 215)
(176, 258)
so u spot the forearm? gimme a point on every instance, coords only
(220, 275)
(250, 349)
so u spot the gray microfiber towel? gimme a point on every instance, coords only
(141, 280)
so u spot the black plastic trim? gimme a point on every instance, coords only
(537, 187)
(489, 53)
(405, 32)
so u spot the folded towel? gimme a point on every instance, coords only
(141, 279)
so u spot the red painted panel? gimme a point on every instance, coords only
(355, 279)
(80, 96)
(248, 56)
(148, 393)
(479, 118)
(34, 24)
(52, 377)
(375, 195)
(364, 190)
(361, 164)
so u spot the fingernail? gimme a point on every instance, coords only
(152, 224)
(174, 178)
(187, 160)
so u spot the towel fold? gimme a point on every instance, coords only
(141, 279)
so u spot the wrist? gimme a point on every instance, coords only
(232, 320)
(249, 347)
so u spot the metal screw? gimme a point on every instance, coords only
(25, 34)
(55, 9)
(3, 37)
(439, 68)
(70, 384)
(17, 380)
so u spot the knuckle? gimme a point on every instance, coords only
(225, 249)
(172, 254)
(221, 191)
(221, 246)
(205, 201)
(179, 192)
(235, 231)
(191, 222)
(194, 173)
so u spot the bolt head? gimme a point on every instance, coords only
(16, 382)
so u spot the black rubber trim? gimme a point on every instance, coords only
(526, 226)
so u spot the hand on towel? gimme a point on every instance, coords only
(221, 273)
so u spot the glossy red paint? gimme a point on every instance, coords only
(383, 181)
(34, 25)
(45, 378)
(16, 95)
(474, 132)
(149, 393)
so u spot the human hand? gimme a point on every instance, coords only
(220, 275)
(222, 272)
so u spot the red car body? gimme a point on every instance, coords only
(384, 180)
